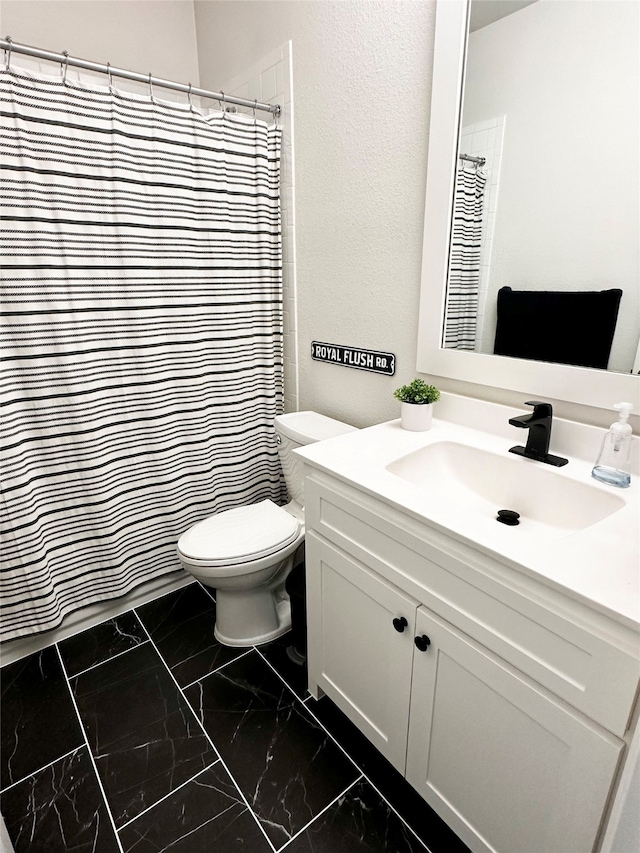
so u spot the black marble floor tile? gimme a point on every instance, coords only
(285, 764)
(293, 673)
(360, 821)
(181, 625)
(204, 816)
(59, 809)
(143, 735)
(39, 723)
(433, 831)
(101, 642)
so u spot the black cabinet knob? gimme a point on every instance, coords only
(422, 642)
(400, 624)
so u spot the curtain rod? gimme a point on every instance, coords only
(9, 46)
(479, 160)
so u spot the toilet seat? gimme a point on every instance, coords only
(240, 535)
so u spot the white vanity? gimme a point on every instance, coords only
(496, 667)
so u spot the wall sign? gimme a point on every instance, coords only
(362, 359)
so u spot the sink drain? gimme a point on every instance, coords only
(508, 516)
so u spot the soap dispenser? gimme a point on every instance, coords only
(613, 464)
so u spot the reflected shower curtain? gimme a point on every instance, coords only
(142, 336)
(464, 263)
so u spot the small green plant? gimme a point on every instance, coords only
(417, 392)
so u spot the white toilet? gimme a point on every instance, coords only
(247, 553)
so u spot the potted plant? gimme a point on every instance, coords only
(417, 400)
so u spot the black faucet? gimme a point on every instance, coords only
(539, 425)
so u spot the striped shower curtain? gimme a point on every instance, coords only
(141, 336)
(463, 282)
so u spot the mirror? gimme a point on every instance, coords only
(526, 254)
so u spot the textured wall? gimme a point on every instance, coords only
(140, 35)
(361, 79)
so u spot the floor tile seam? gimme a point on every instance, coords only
(397, 813)
(328, 733)
(245, 801)
(210, 741)
(207, 590)
(91, 758)
(320, 813)
(366, 778)
(281, 677)
(169, 794)
(213, 671)
(44, 767)
(303, 703)
(107, 660)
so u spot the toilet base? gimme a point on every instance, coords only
(267, 612)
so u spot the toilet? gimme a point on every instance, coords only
(246, 553)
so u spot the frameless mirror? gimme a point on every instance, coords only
(542, 212)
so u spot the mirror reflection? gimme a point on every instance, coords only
(544, 252)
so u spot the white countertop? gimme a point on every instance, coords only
(599, 565)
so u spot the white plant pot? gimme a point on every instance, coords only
(416, 416)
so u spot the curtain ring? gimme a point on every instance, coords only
(151, 89)
(255, 106)
(223, 103)
(110, 78)
(189, 98)
(7, 54)
(64, 67)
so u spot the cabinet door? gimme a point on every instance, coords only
(509, 768)
(356, 654)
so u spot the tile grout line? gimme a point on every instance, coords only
(306, 702)
(108, 660)
(206, 734)
(213, 671)
(207, 590)
(368, 780)
(307, 705)
(86, 741)
(169, 794)
(303, 702)
(40, 769)
(397, 813)
(363, 775)
(281, 677)
(320, 813)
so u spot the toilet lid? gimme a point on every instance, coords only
(239, 535)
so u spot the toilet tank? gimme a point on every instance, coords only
(295, 430)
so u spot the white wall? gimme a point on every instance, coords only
(139, 35)
(568, 213)
(361, 81)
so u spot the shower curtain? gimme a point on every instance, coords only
(142, 336)
(464, 263)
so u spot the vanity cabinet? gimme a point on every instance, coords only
(461, 679)
(367, 628)
(489, 747)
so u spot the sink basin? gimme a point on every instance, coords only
(479, 482)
